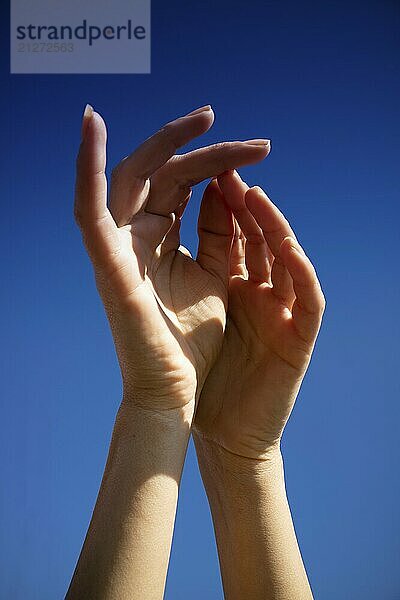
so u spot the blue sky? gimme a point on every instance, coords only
(322, 81)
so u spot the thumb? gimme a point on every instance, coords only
(99, 230)
(215, 230)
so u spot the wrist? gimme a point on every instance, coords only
(175, 421)
(159, 387)
(155, 438)
(218, 463)
(165, 408)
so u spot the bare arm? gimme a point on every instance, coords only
(275, 307)
(127, 547)
(257, 545)
(167, 316)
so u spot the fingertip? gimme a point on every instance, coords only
(93, 126)
(91, 159)
(204, 119)
(208, 116)
(254, 193)
(88, 112)
(256, 190)
(297, 263)
(190, 126)
(261, 146)
(255, 152)
(214, 188)
(225, 175)
(196, 125)
(230, 182)
(196, 111)
(206, 109)
(97, 125)
(215, 215)
(210, 113)
(86, 118)
(213, 185)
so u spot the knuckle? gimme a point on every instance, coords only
(255, 239)
(166, 130)
(167, 135)
(223, 146)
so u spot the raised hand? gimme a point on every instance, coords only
(166, 310)
(275, 308)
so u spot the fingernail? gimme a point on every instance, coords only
(205, 108)
(87, 115)
(258, 142)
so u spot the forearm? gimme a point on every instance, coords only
(127, 547)
(257, 545)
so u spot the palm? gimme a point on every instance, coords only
(250, 391)
(270, 330)
(182, 315)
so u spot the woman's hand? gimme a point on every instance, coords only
(275, 308)
(167, 315)
(166, 310)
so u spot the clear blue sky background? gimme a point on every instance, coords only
(321, 79)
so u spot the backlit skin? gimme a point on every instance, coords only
(220, 344)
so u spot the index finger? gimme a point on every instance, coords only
(158, 148)
(171, 184)
(130, 175)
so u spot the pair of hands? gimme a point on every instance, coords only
(227, 336)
